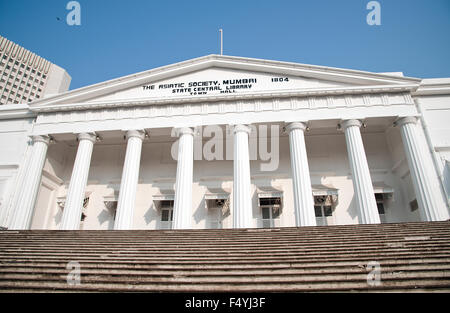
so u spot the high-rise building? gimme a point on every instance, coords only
(25, 76)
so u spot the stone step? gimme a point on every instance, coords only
(232, 279)
(412, 256)
(393, 263)
(380, 252)
(326, 231)
(225, 278)
(212, 242)
(272, 243)
(424, 284)
(320, 269)
(281, 238)
(222, 251)
(253, 254)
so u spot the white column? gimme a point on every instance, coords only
(362, 183)
(182, 210)
(303, 197)
(421, 168)
(242, 202)
(129, 182)
(75, 196)
(23, 212)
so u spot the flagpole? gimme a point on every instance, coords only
(221, 41)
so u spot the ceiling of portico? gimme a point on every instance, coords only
(114, 137)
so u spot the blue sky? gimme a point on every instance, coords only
(118, 38)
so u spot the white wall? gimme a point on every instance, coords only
(14, 131)
(436, 116)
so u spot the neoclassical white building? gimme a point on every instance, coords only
(223, 142)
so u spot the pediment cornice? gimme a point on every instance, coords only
(238, 97)
(363, 82)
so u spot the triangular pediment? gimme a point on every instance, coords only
(217, 81)
(220, 76)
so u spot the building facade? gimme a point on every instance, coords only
(25, 76)
(228, 142)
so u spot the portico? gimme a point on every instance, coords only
(339, 129)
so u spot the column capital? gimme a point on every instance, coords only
(295, 125)
(405, 120)
(138, 133)
(87, 136)
(41, 138)
(241, 128)
(184, 131)
(348, 123)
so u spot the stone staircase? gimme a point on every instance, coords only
(412, 257)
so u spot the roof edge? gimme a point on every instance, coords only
(339, 91)
(433, 86)
(222, 61)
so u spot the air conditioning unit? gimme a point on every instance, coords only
(321, 199)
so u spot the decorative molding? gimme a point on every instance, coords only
(313, 92)
(276, 105)
(160, 180)
(216, 179)
(366, 99)
(280, 175)
(442, 148)
(240, 106)
(322, 173)
(221, 107)
(293, 103)
(331, 103)
(257, 105)
(311, 103)
(13, 111)
(408, 98)
(437, 88)
(9, 166)
(385, 99)
(348, 100)
(204, 108)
